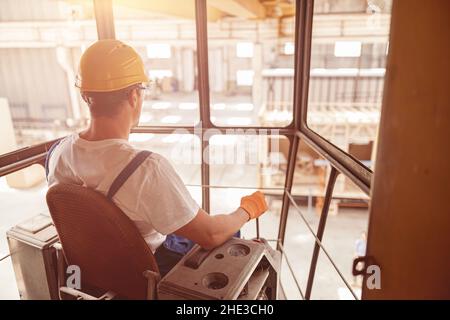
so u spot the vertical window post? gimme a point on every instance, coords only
(104, 19)
(203, 91)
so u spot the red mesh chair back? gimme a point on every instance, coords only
(100, 238)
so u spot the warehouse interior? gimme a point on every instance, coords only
(337, 109)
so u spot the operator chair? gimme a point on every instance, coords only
(103, 242)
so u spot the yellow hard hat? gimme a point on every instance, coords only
(110, 65)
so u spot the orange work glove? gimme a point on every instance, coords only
(254, 204)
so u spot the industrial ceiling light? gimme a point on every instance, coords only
(219, 106)
(160, 73)
(244, 77)
(347, 49)
(171, 119)
(161, 105)
(187, 106)
(158, 51)
(289, 48)
(244, 49)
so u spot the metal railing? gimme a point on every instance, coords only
(341, 162)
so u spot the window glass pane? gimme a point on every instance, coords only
(41, 42)
(310, 177)
(227, 200)
(248, 160)
(251, 62)
(343, 237)
(327, 283)
(348, 64)
(22, 196)
(165, 37)
(8, 290)
(182, 150)
(243, 163)
(298, 246)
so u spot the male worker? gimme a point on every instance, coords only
(112, 82)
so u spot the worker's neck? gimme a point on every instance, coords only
(102, 128)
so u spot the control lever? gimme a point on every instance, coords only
(257, 228)
(196, 258)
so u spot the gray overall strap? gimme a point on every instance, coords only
(47, 158)
(127, 172)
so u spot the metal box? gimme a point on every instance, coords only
(237, 270)
(34, 258)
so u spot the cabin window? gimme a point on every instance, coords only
(168, 47)
(38, 67)
(346, 79)
(265, 109)
(248, 63)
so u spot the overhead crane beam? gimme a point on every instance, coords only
(248, 9)
(173, 8)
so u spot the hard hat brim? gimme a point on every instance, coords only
(110, 85)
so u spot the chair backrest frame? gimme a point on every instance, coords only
(101, 240)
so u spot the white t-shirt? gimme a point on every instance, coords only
(154, 197)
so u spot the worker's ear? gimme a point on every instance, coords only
(133, 97)
(86, 98)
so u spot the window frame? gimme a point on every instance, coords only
(341, 162)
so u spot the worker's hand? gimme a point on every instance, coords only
(254, 204)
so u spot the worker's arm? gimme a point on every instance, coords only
(211, 231)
